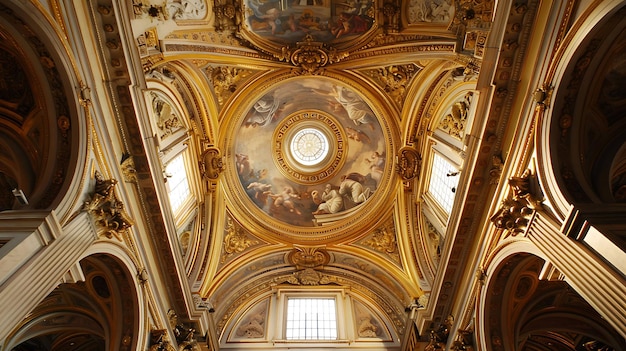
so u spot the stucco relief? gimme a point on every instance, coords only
(383, 240)
(235, 241)
(454, 123)
(186, 9)
(166, 117)
(253, 325)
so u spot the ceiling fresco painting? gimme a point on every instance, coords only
(289, 21)
(327, 157)
(428, 166)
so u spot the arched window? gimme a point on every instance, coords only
(177, 183)
(170, 129)
(443, 157)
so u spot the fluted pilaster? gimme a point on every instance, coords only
(51, 251)
(584, 270)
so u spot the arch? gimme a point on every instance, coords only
(521, 308)
(100, 312)
(360, 319)
(579, 141)
(41, 119)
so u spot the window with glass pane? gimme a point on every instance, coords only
(443, 182)
(177, 182)
(311, 319)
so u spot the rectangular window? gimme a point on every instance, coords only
(444, 180)
(311, 319)
(177, 182)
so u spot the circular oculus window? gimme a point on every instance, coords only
(309, 147)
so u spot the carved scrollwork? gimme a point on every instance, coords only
(107, 210)
(211, 165)
(525, 198)
(225, 80)
(394, 79)
(235, 241)
(454, 122)
(408, 163)
(384, 240)
(308, 257)
(307, 276)
(310, 56)
(310, 276)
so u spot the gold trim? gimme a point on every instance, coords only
(333, 162)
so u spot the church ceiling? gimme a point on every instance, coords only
(308, 120)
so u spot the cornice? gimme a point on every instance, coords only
(478, 189)
(118, 76)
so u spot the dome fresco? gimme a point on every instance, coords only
(281, 157)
